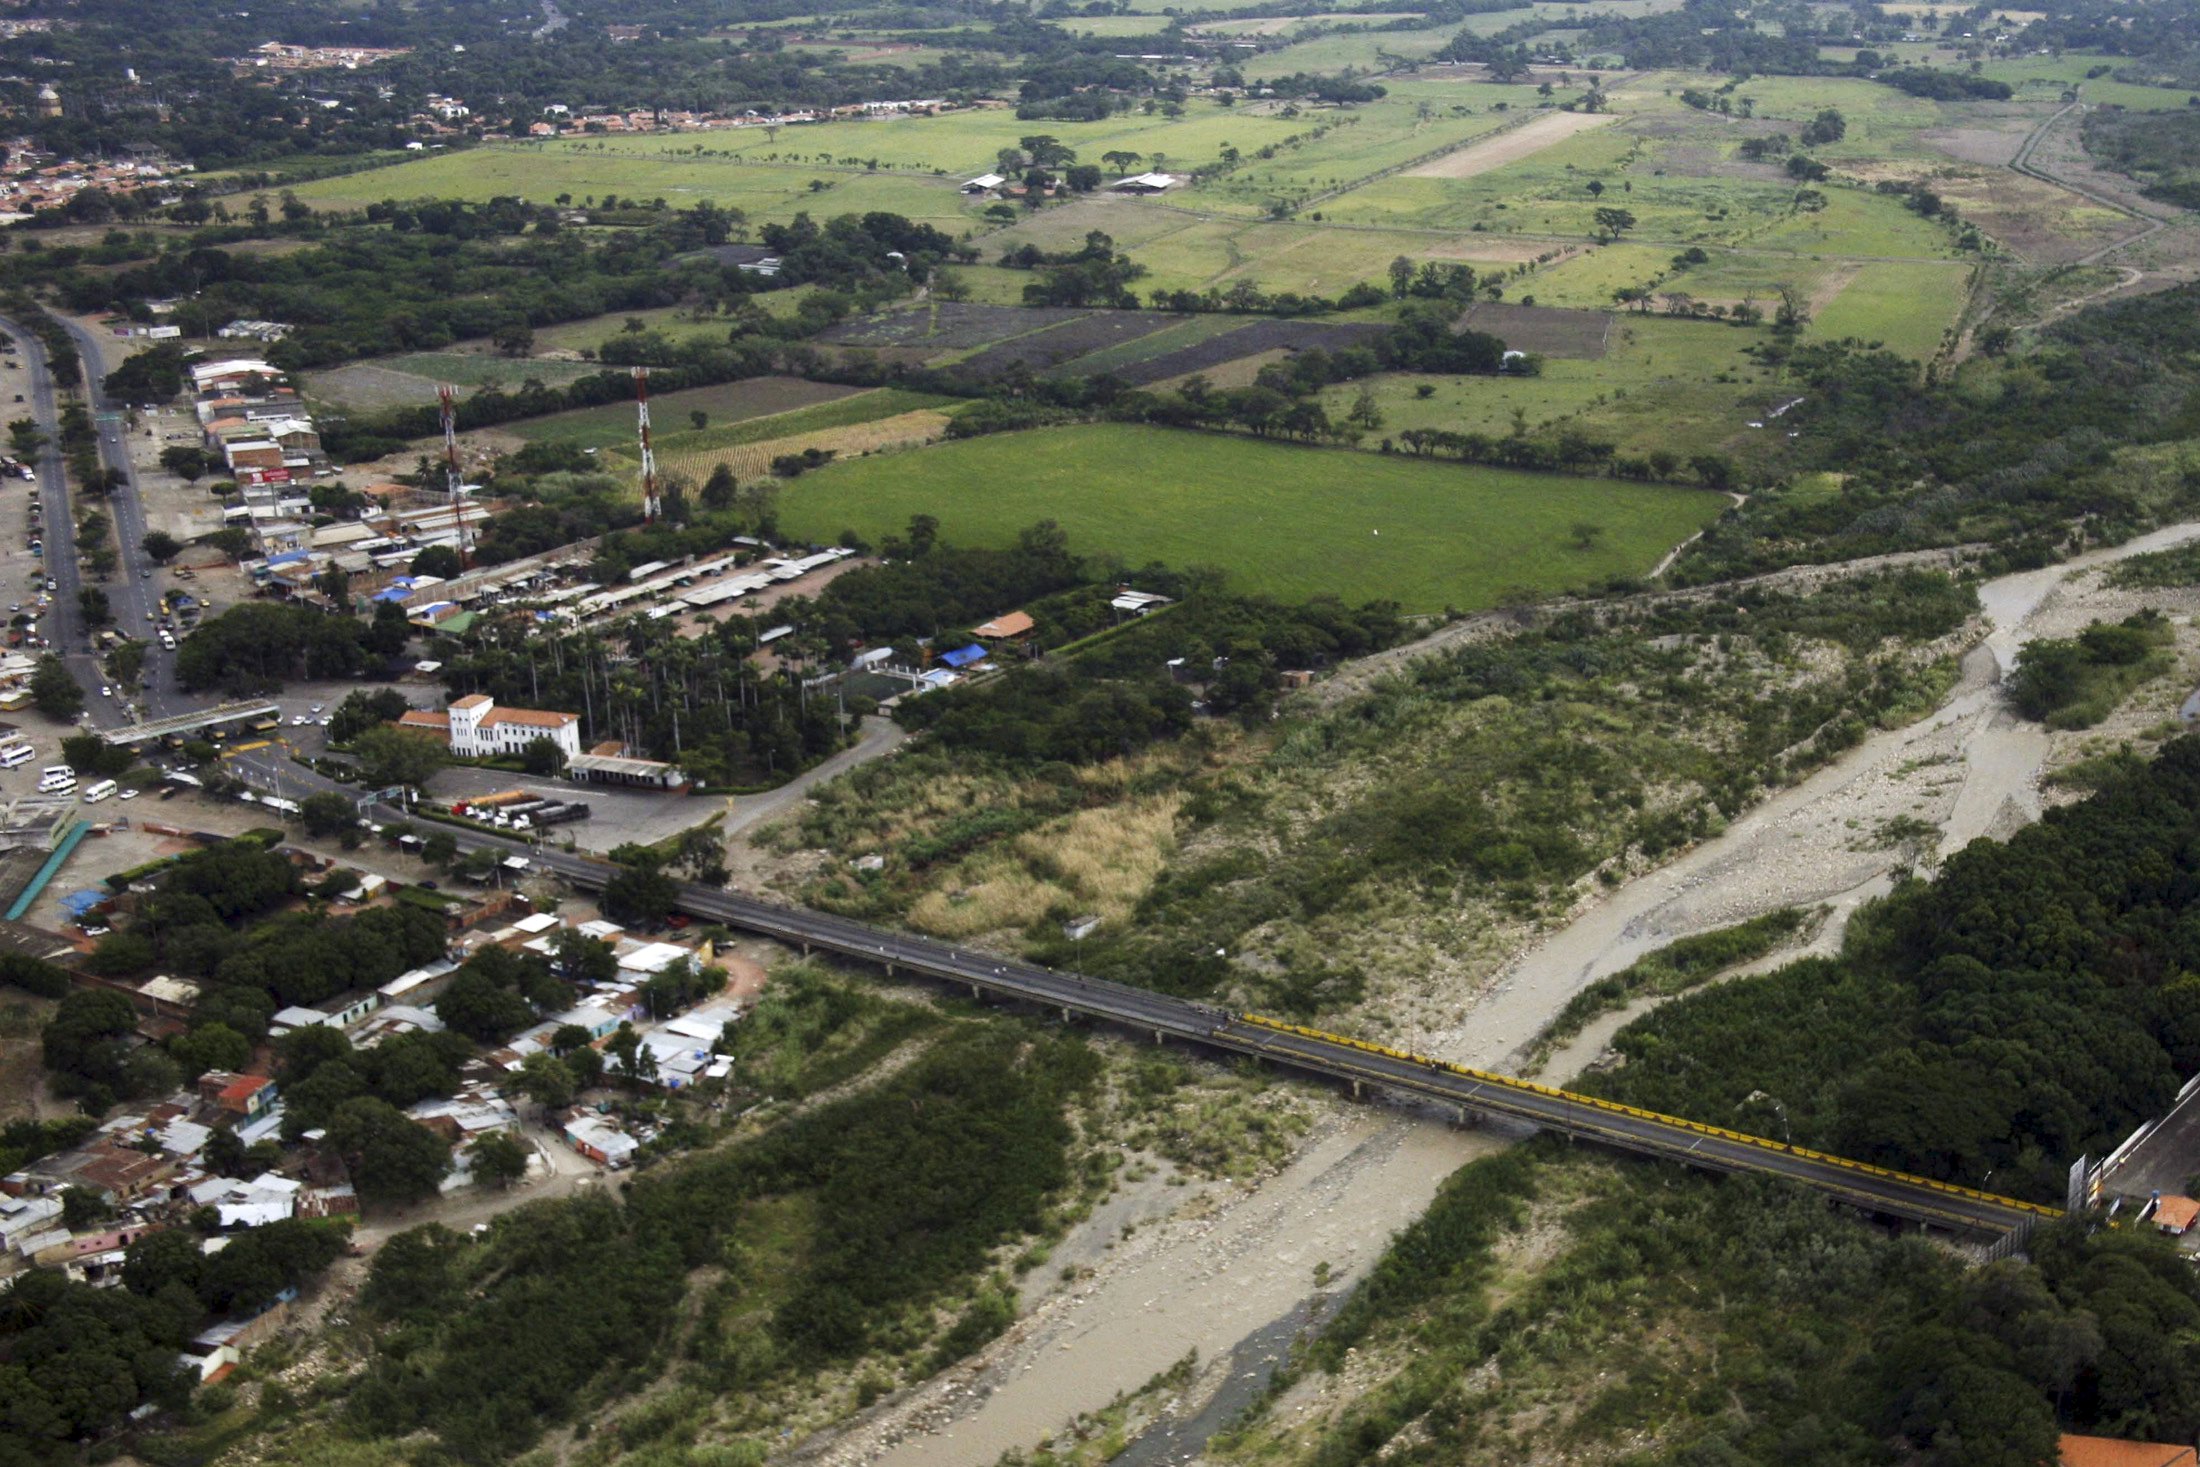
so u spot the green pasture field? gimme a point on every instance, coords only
(2042, 79)
(1906, 307)
(1182, 251)
(675, 323)
(1880, 119)
(1856, 221)
(729, 404)
(1365, 50)
(540, 173)
(769, 178)
(1589, 278)
(1286, 521)
(1659, 386)
(1381, 135)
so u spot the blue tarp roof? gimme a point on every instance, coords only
(393, 593)
(964, 656)
(77, 903)
(288, 556)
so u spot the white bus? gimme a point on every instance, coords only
(57, 771)
(15, 756)
(99, 792)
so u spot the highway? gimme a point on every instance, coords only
(1873, 1189)
(134, 595)
(130, 596)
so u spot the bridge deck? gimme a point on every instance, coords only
(1674, 1138)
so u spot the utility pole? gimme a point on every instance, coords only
(447, 395)
(650, 506)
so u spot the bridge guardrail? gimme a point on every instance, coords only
(1700, 1128)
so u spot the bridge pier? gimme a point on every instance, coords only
(974, 991)
(1159, 1037)
(1355, 1089)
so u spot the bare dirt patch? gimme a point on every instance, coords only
(365, 388)
(1995, 145)
(1551, 331)
(1494, 153)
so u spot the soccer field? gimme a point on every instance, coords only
(1286, 521)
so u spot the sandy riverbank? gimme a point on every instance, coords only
(1228, 1261)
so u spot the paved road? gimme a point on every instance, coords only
(134, 595)
(1872, 1188)
(128, 596)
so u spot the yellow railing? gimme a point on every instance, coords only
(1613, 1107)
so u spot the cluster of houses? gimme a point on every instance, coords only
(558, 118)
(155, 1167)
(32, 180)
(998, 185)
(252, 416)
(279, 56)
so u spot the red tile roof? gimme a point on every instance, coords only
(2101, 1451)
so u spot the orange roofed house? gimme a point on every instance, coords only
(477, 729)
(2101, 1451)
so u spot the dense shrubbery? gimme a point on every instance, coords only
(2029, 1004)
(905, 1191)
(257, 647)
(1943, 85)
(2078, 681)
(2023, 447)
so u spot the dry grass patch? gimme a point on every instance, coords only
(1096, 861)
(753, 460)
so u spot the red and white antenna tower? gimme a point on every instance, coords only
(448, 396)
(651, 508)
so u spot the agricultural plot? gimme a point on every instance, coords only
(1249, 340)
(1414, 121)
(412, 380)
(950, 325)
(1285, 521)
(1042, 351)
(1183, 333)
(752, 460)
(729, 404)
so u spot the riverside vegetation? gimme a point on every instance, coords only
(1418, 827)
(2030, 1003)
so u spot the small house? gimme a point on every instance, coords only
(237, 1097)
(1016, 626)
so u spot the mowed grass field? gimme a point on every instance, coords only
(1906, 308)
(1281, 520)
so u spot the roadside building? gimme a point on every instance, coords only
(2175, 1215)
(601, 1141)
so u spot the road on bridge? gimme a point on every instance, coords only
(1875, 1189)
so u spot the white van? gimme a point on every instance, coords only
(57, 771)
(56, 786)
(15, 756)
(99, 792)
